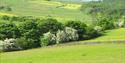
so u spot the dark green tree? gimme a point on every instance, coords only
(79, 26)
(30, 32)
(49, 24)
(9, 30)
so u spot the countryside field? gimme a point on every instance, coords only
(90, 53)
(115, 34)
(103, 53)
(41, 8)
(62, 31)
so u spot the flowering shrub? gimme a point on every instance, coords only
(48, 39)
(61, 36)
(9, 45)
(69, 34)
(98, 28)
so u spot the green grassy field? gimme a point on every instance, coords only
(99, 53)
(40, 8)
(64, 53)
(103, 53)
(110, 36)
(114, 34)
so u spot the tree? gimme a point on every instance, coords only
(49, 24)
(9, 30)
(106, 23)
(47, 0)
(91, 32)
(79, 26)
(66, 35)
(5, 17)
(48, 39)
(26, 43)
(30, 32)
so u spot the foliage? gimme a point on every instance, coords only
(30, 32)
(9, 30)
(91, 33)
(116, 8)
(5, 17)
(18, 18)
(106, 23)
(121, 22)
(26, 43)
(68, 34)
(47, 0)
(110, 10)
(61, 37)
(98, 28)
(79, 26)
(49, 24)
(72, 34)
(48, 39)
(9, 45)
(5, 8)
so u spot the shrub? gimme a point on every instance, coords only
(8, 8)
(49, 24)
(121, 22)
(15, 18)
(1, 45)
(28, 25)
(22, 42)
(61, 37)
(47, 0)
(30, 32)
(5, 17)
(9, 45)
(69, 34)
(9, 30)
(48, 39)
(79, 26)
(98, 28)
(91, 33)
(26, 43)
(106, 23)
(45, 41)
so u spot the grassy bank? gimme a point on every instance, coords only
(105, 53)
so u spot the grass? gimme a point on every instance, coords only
(7, 14)
(40, 8)
(104, 53)
(58, 4)
(93, 53)
(114, 34)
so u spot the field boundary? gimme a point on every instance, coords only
(91, 43)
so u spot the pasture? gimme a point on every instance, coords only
(40, 8)
(103, 53)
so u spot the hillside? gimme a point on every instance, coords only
(115, 34)
(40, 8)
(108, 53)
(62, 31)
(99, 53)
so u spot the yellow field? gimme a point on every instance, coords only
(57, 4)
(7, 14)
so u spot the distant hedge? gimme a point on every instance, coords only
(31, 32)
